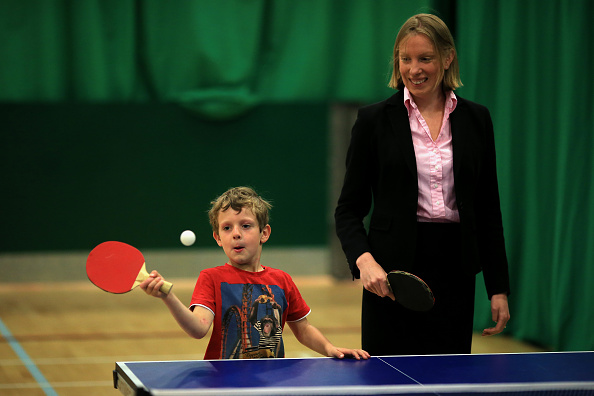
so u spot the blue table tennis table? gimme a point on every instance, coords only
(543, 373)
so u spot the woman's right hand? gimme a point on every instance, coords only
(373, 276)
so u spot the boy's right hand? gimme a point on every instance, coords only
(152, 284)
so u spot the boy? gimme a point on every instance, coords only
(247, 302)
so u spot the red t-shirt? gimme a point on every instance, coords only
(250, 310)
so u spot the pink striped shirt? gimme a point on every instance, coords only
(435, 172)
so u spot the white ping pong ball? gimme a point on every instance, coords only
(187, 238)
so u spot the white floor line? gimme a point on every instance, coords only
(99, 359)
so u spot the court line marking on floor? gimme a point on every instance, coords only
(29, 364)
(99, 359)
(72, 384)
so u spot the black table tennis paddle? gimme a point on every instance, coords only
(411, 291)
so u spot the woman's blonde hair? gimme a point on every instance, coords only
(238, 198)
(439, 34)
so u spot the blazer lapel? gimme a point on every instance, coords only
(398, 116)
(457, 128)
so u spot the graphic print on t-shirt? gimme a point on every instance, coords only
(252, 321)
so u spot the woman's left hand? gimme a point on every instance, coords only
(500, 314)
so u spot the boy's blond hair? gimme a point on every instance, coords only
(238, 198)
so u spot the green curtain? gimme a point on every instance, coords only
(531, 63)
(216, 56)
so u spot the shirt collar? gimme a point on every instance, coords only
(408, 101)
(450, 104)
(451, 101)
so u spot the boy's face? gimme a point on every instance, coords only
(240, 237)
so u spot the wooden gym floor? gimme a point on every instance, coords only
(71, 334)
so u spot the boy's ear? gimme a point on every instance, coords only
(217, 238)
(265, 234)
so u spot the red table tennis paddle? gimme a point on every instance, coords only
(411, 291)
(117, 267)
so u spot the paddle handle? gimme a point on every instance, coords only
(143, 274)
(166, 288)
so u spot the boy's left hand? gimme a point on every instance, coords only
(340, 353)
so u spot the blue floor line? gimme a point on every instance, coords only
(18, 349)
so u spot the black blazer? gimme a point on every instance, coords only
(381, 173)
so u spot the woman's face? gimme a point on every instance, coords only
(420, 67)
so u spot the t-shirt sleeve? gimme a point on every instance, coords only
(204, 292)
(298, 308)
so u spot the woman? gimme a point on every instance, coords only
(424, 160)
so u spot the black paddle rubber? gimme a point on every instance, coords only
(411, 291)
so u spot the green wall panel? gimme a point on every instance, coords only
(75, 175)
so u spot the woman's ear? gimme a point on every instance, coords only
(448, 60)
